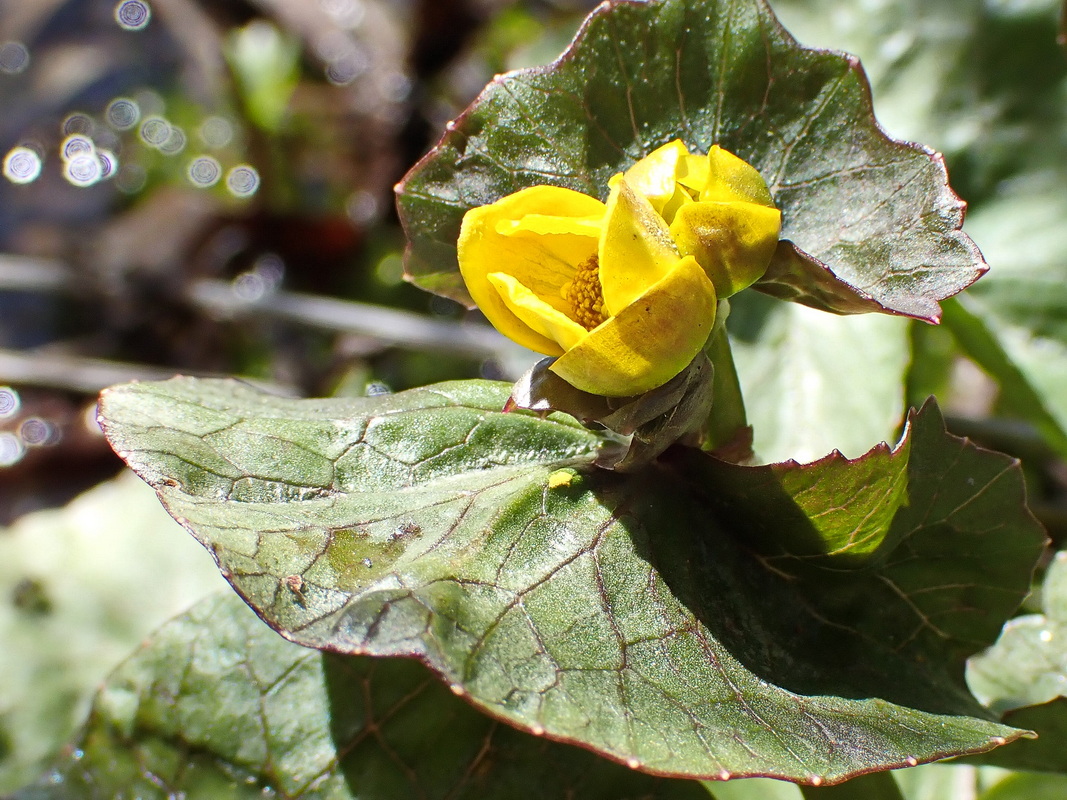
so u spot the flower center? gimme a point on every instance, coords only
(585, 294)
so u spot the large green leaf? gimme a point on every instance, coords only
(877, 212)
(216, 705)
(814, 382)
(80, 587)
(653, 617)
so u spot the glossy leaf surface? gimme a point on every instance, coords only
(659, 618)
(875, 213)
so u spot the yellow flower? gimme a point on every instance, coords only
(624, 292)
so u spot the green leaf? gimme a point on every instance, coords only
(1028, 787)
(754, 789)
(81, 586)
(878, 213)
(1022, 303)
(1017, 395)
(1025, 675)
(814, 383)
(626, 613)
(216, 705)
(1028, 664)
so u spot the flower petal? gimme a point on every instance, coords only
(731, 178)
(538, 315)
(655, 175)
(636, 249)
(490, 242)
(649, 341)
(733, 241)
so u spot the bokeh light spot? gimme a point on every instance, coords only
(109, 164)
(133, 15)
(204, 171)
(11, 449)
(10, 402)
(216, 132)
(84, 170)
(174, 143)
(14, 57)
(123, 113)
(36, 432)
(242, 181)
(21, 165)
(155, 131)
(76, 145)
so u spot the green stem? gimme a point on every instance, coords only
(728, 420)
(875, 786)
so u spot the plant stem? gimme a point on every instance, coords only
(875, 786)
(728, 420)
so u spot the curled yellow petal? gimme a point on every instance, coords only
(731, 178)
(648, 342)
(538, 315)
(543, 262)
(656, 175)
(733, 241)
(636, 249)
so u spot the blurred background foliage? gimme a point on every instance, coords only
(206, 188)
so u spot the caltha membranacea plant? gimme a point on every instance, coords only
(622, 294)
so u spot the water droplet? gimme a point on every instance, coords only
(22, 165)
(14, 57)
(376, 388)
(133, 15)
(174, 143)
(912, 761)
(84, 170)
(368, 563)
(537, 730)
(11, 449)
(633, 763)
(78, 754)
(155, 131)
(215, 132)
(242, 181)
(724, 775)
(10, 402)
(37, 432)
(1045, 635)
(76, 145)
(816, 780)
(204, 171)
(123, 113)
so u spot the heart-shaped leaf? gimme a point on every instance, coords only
(874, 223)
(216, 705)
(646, 616)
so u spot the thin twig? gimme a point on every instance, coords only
(90, 375)
(388, 325)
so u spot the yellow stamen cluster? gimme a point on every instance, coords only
(585, 295)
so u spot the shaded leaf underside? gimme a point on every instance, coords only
(636, 615)
(877, 213)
